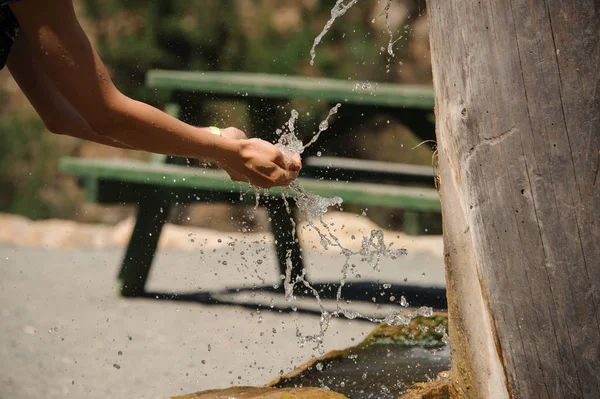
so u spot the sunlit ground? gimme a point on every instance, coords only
(65, 333)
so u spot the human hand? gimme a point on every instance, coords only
(262, 164)
(233, 133)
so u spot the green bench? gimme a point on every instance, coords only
(158, 185)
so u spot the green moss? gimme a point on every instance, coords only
(422, 331)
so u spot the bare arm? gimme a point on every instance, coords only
(66, 56)
(58, 114)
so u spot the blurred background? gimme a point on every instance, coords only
(268, 36)
(66, 332)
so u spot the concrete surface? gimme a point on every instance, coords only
(64, 333)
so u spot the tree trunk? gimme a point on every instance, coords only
(517, 87)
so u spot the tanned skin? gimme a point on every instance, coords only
(65, 80)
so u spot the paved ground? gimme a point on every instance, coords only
(63, 332)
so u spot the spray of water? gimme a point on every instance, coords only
(339, 9)
(373, 248)
(388, 26)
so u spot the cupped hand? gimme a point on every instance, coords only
(262, 164)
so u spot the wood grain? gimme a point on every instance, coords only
(518, 125)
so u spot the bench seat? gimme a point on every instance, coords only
(240, 84)
(201, 179)
(155, 187)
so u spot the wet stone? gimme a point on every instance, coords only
(383, 366)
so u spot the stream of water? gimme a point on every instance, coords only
(373, 247)
(340, 8)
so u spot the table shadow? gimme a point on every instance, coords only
(364, 291)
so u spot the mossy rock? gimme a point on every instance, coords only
(426, 332)
(264, 393)
(422, 331)
(438, 389)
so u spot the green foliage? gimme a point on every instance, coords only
(264, 36)
(223, 35)
(27, 167)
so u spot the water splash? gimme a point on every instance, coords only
(373, 248)
(324, 125)
(288, 285)
(388, 26)
(338, 10)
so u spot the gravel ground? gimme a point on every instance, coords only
(64, 333)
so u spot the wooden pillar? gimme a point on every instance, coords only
(517, 87)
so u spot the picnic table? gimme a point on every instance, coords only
(166, 181)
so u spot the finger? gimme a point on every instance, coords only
(256, 179)
(260, 180)
(289, 161)
(286, 177)
(235, 176)
(296, 163)
(280, 159)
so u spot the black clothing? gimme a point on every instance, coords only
(9, 28)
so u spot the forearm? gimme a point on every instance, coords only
(142, 126)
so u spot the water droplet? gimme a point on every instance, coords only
(425, 311)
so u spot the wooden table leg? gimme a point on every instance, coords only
(285, 236)
(411, 223)
(151, 217)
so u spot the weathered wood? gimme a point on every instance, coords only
(174, 176)
(518, 134)
(279, 86)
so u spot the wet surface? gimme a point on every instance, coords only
(377, 372)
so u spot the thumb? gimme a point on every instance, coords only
(295, 163)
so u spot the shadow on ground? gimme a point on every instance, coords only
(365, 292)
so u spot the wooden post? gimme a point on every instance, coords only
(517, 85)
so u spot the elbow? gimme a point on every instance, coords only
(73, 127)
(61, 128)
(105, 126)
(105, 131)
(107, 119)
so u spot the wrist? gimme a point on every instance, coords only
(227, 149)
